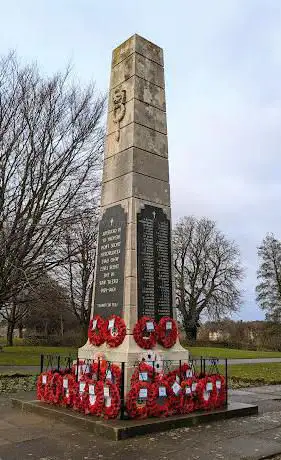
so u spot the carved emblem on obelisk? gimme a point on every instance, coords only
(119, 109)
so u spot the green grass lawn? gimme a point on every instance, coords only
(231, 353)
(21, 355)
(29, 356)
(256, 374)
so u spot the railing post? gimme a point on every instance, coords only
(41, 363)
(98, 371)
(201, 366)
(58, 363)
(180, 371)
(77, 367)
(226, 382)
(122, 389)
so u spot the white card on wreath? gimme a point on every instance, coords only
(44, 379)
(143, 393)
(218, 384)
(109, 374)
(177, 379)
(106, 392)
(176, 388)
(209, 386)
(143, 376)
(92, 399)
(162, 391)
(111, 323)
(149, 326)
(187, 390)
(189, 373)
(94, 324)
(108, 402)
(194, 386)
(169, 325)
(82, 387)
(91, 389)
(65, 383)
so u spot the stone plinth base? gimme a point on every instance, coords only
(131, 354)
(123, 429)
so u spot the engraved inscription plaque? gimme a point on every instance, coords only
(109, 282)
(154, 263)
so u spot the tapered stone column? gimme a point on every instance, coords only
(134, 260)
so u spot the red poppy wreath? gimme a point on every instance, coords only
(69, 389)
(167, 332)
(187, 404)
(94, 397)
(55, 388)
(96, 331)
(137, 400)
(145, 333)
(159, 399)
(219, 382)
(114, 331)
(112, 400)
(206, 393)
(143, 373)
(42, 385)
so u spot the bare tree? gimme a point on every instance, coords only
(269, 275)
(78, 248)
(13, 313)
(51, 140)
(207, 272)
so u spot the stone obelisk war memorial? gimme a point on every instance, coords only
(133, 364)
(134, 259)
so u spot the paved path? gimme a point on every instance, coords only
(20, 370)
(254, 360)
(25, 436)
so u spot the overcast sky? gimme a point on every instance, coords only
(223, 90)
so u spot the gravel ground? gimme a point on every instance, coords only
(14, 384)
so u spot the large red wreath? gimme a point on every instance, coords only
(69, 390)
(42, 385)
(144, 338)
(141, 372)
(55, 388)
(80, 397)
(97, 335)
(220, 384)
(187, 404)
(167, 337)
(159, 406)
(112, 403)
(115, 335)
(180, 373)
(206, 396)
(175, 398)
(136, 404)
(113, 374)
(83, 366)
(93, 397)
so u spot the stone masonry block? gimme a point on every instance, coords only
(116, 190)
(142, 90)
(139, 112)
(136, 64)
(135, 160)
(154, 190)
(138, 44)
